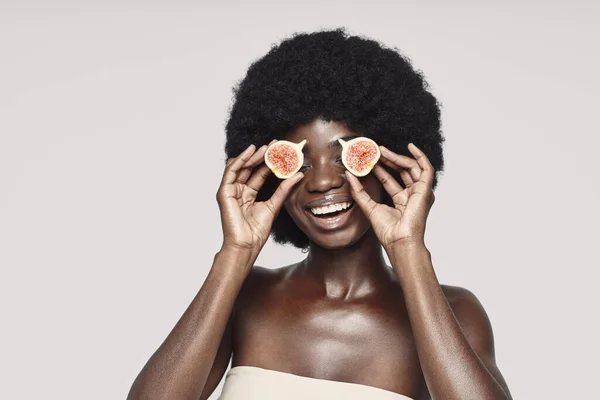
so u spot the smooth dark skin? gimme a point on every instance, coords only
(341, 314)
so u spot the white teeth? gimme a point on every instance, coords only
(330, 208)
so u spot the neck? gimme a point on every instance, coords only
(348, 273)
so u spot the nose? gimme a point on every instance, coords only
(323, 177)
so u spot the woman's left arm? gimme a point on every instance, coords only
(452, 332)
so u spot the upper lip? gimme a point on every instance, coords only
(326, 201)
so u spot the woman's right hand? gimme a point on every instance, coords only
(247, 223)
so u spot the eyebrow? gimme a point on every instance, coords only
(332, 144)
(335, 143)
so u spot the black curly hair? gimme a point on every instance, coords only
(333, 76)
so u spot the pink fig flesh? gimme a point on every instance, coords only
(360, 155)
(285, 158)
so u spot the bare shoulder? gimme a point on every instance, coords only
(262, 281)
(476, 325)
(260, 275)
(471, 316)
(459, 296)
(258, 308)
(465, 305)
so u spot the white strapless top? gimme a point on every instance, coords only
(254, 383)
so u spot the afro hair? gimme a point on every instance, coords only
(334, 76)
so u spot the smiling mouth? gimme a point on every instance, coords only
(332, 211)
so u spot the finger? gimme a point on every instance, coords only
(276, 201)
(233, 167)
(258, 178)
(399, 163)
(360, 195)
(406, 178)
(391, 185)
(426, 167)
(405, 173)
(257, 158)
(394, 160)
(244, 175)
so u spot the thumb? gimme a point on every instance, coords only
(360, 195)
(276, 201)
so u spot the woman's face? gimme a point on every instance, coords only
(324, 187)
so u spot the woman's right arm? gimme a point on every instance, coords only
(199, 344)
(181, 366)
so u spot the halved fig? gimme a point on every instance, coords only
(360, 155)
(285, 158)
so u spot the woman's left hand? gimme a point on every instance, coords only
(404, 223)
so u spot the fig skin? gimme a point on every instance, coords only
(346, 146)
(295, 147)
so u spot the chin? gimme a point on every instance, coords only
(336, 240)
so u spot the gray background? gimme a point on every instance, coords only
(111, 137)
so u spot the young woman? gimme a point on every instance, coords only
(340, 323)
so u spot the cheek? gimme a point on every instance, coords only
(287, 204)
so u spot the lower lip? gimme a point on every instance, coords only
(334, 222)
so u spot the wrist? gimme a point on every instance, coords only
(407, 256)
(239, 258)
(229, 247)
(239, 252)
(406, 248)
